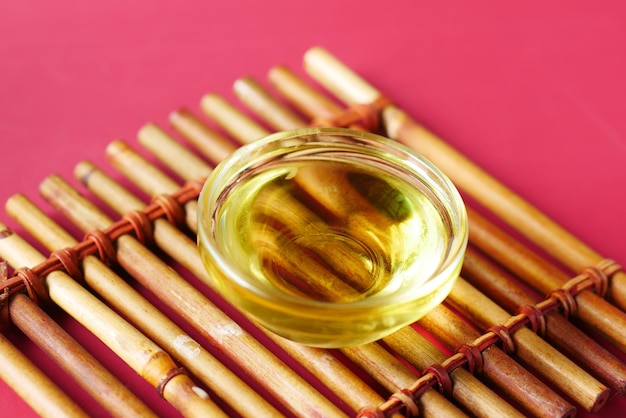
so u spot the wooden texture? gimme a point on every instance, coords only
(144, 315)
(35, 387)
(141, 354)
(233, 341)
(498, 368)
(532, 350)
(502, 287)
(182, 249)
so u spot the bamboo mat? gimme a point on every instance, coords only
(535, 326)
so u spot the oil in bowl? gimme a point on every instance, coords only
(331, 237)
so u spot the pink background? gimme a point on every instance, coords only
(532, 91)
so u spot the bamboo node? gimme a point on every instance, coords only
(367, 116)
(473, 357)
(535, 317)
(502, 332)
(103, 245)
(68, 257)
(172, 373)
(444, 383)
(141, 225)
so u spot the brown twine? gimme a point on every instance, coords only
(473, 357)
(441, 375)
(535, 318)
(68, 257)
(593, 278)
(97, 242)
(141, 226)
(366, 116)
(172, 210)
(103, 246)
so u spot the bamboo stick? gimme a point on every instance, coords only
(192, 162)
(149, 178)
(153, 273)
(395, 375)
(264, 105)
(498, 368)
(496, 283)
(209, 142)
(594, 311)
(34, 386)
(467, 390)
(126, 300)
(228, 119)
(325, 367)
(75, 360)
(492, 194)
(301, 94)
(141, 354)
(485, 402)
(532, 350)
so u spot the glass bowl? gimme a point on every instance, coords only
(331, 237)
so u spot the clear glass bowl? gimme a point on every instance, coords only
(331, 237)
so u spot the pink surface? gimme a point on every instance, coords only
(532, 91)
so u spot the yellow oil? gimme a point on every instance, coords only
(331, 231)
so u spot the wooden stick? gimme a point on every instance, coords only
(499, 369)
(302, 95)
(492, 194)
(532, 350)
(149, 178)
(34, 386)
(153, 273)
(496, 283)
(594, 311)
(488, 401)
(77, 362)
(143, 314)
(141, 354)
(395, 376)
(147, 134)
(467, 390)
(209, 142)
(230, 119)
(263, 104)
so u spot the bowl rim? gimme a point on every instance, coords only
(232, 166)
